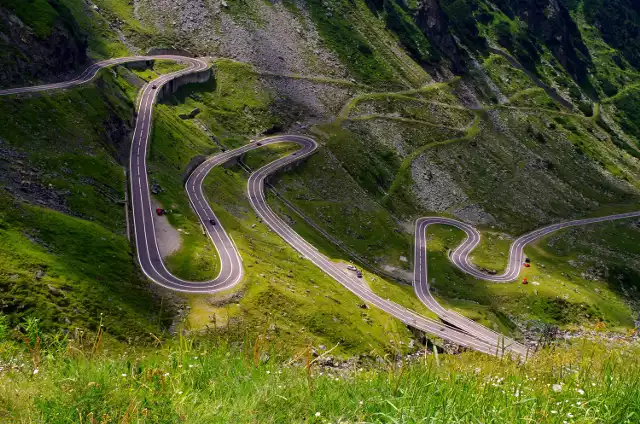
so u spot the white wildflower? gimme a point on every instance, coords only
(580, 391)
(317, 414)
(553, 411)
(36, 371)
(557, 388)
(124, 375)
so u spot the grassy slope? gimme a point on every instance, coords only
(88, 261)
(230, 111)
(563, 265)
(328, 205)
(69, 272)
(238, 109)
(38, 14)
(285, 296)
(214, 383)
(374, 170)
(103, 40)
(284, 292)
(174, 144)
(159, 67)
(364, 45)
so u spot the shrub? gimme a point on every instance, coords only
(4, 327)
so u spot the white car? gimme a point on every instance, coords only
(352, 268)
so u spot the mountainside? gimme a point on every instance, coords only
(508, 115)
(40, 41)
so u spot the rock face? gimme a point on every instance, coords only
(32, 56)
(434, 24)
(436, 190)
(550, 22)
(619, 23)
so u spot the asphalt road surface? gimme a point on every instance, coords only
(454, 327)
(91, 72)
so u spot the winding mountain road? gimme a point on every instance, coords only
(454, 328)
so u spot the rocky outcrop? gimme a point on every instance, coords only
(436, 190)
(619, 24)
(550, 23)
(435, 25)
(30, 56)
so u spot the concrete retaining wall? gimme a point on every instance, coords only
(173, 85)
(289, 167)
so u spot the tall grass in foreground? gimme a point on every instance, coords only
(199, 381)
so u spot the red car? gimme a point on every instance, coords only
(526, 265)
(160, 211)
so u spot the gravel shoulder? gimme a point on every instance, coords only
(169, 239)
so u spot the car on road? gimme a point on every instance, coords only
(258, 144)
(212, 221)
(154, 86)
(160, 211)
(352, 268)
(526, 264)
(359, 274)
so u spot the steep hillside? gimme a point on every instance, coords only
(66, 257)
(508, 115)
(39, 40)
